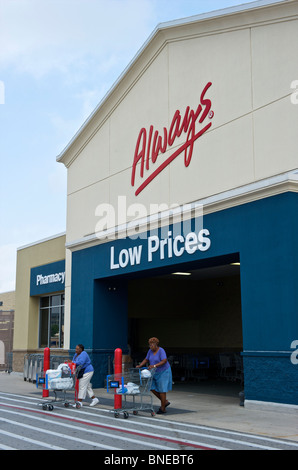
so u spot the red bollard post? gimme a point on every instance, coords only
(117, 370)
(46, 366)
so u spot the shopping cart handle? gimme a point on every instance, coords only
(108, 383)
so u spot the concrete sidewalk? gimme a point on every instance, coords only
(207, 404)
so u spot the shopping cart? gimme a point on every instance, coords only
(60, 381)
(134, 386)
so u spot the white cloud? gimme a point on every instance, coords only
(52, 35)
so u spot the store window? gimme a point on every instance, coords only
(51, 321)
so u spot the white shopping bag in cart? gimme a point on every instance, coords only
(61, 384)
(145, 373)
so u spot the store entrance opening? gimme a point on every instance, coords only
(196, 314)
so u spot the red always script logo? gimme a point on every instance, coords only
(146, 148)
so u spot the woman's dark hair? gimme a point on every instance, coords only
(81, 346)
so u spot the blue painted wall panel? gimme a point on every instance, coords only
(263, 234)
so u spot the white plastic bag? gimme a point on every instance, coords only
(132, 388)
(65, 370)
(145, 373)
(129, 389)
(53, 374)
(61, 384)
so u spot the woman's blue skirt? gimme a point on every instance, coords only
(162, 381)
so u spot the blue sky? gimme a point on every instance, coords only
(58, 58)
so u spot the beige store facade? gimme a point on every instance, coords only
(202, 123)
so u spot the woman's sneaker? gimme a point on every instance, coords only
(94, 402)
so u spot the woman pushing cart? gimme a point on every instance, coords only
(162, 379)
(82, 360)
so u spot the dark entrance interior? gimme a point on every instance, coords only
(195, 311)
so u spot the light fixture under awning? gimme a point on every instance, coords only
(182, 274)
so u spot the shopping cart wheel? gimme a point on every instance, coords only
(125, 415)
(44, 407)
(78, 405)
(153, 413)
(50, 407)
(116, 415)
(135, 413)
(66, 404)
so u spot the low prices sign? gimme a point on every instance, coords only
(150, 144)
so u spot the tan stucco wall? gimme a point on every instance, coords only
(8, 299)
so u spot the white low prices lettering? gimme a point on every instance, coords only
(161, 248)
(131, 256)
(178, 245)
